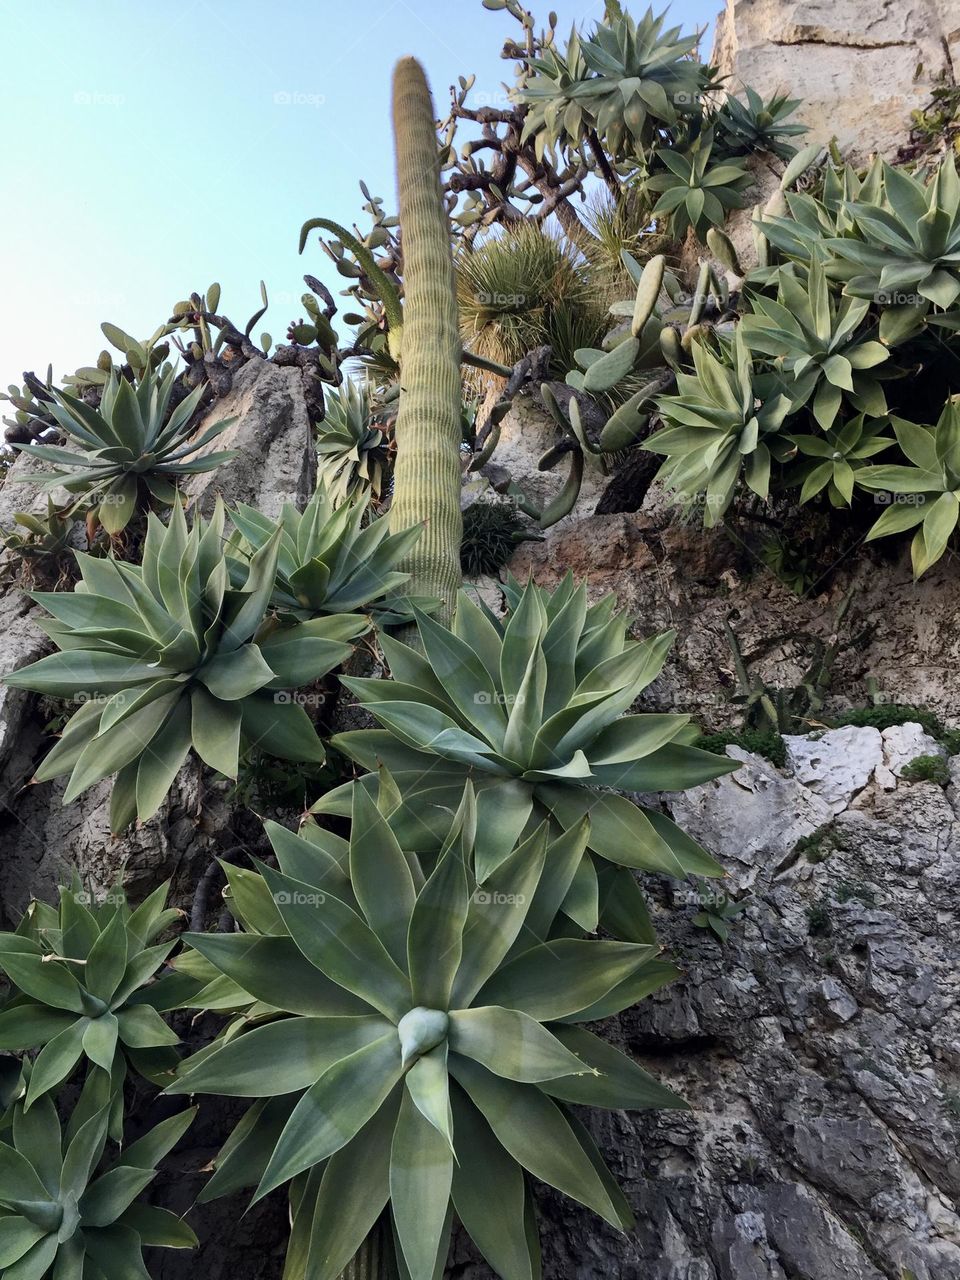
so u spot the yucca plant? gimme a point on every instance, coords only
(129, 448)
(624, 81)
(753, 126)
(352, 452)
(833, 460)
(724, 422)
(168, 656)
(79, 973)
(329, 561)
(68, 1213)
(925, 493)
(531, 707)
(523, 288)
(819, 345)
(697, 191)
(417, 1042)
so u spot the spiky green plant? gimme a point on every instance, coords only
(835, 458)
(168, 656)
(129, 448)
(427, 473)
(418, 1041)
(79, 974)
(624, 81)
(523, 288)
(754, 126)
(724, 422)
(924, 493)
(329, 561)
(492, 532)
(819, 344)
(531, 707)
(697, 190)
(351, 452)
(65, 1210)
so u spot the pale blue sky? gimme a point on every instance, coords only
(151, 148)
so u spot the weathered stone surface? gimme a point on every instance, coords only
(860, 68)
(835, 765)
(901, 744)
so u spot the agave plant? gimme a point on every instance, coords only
(724, 421)
(624, 81)
(926, 493)
(128, 448)
(328, 562)
(817, 344)
(79, 973)
(352, 453)
(531, 708)
(696, 192)
(747, 128)
(168, 656)
(834, 459)
(67, 1212)
(417, 1044)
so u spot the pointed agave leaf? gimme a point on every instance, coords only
(428, 1084)
(333, 1110)
(511, 1044)
(381, 877)
(435, 941)
(342, 945)
(555, 979)
(536, 1133)
(281, 1057)
(618, 1083)
(421, 1172)
(353, 1191)
(489, 1194)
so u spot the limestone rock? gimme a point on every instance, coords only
(860, 68)
(837, 764)
(901, 744)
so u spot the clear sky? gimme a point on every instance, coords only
(151, 148)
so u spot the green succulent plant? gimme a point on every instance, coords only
(428, 1043)
(724, 423)
(492, 531)
(66, 1211)
(624, 81)
(819, 344)
(79, 973)
(328, 561)
(128, 448)
(754, 126)
(169, 656)
(531, 708)
(835, 458)
(38, 537)
(696, 191)
(924, 493)
(351, 453)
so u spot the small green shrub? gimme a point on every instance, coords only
(769, 745)
(927, 769)
(817, 846)
(492, 531)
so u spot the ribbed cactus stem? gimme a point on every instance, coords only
(428, 432)
(376, 1258)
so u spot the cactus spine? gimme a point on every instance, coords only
(427, 474)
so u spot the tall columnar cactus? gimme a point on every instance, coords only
(427, 475)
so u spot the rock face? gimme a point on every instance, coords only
(859, 67)
(819, 1049)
